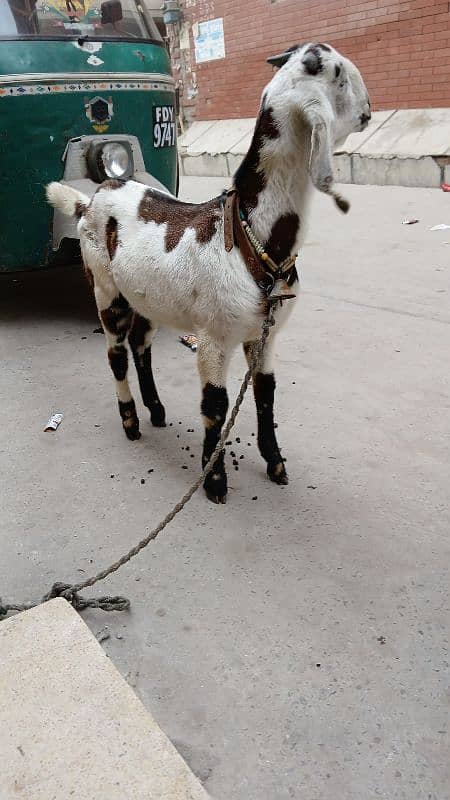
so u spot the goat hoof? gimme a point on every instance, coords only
(277, 473)
(217, 499)
(133, 433)
(158, 416)
(215, 486)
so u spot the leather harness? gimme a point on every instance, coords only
(271, 278)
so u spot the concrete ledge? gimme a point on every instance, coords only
(400, 148)
(212, 166)
(69, 724)
(421, 172)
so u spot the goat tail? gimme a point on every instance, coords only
(67, 199)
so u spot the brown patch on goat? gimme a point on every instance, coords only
(111, 236)
(283, 236)
(117, 318)
(250, 178)
(248, 347)
(202, 217)
(89, 276)
(80, 209)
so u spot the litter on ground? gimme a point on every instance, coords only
(54, 421)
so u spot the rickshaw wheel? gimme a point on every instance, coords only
(69, 253)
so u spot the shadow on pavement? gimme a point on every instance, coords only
(50, 294)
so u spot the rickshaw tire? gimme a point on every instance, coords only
(68, 253)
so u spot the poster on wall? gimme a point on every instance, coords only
(209, 40)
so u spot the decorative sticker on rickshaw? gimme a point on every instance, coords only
(74, 10)
(67, 88)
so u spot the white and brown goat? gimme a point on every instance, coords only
(155, 260)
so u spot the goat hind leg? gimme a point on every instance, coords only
(116, 316)
(264, 392)
(140, 340)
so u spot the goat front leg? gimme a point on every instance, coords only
(213, 359)
(264, 392)
(116, 315)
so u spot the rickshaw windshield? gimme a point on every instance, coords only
(71, 19)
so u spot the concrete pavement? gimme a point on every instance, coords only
(293, 646)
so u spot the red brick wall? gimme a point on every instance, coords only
(402, 49)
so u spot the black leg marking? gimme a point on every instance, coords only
(214, 410)
(118, 360)
(264, 390)
(116, 321)
(142, 355)
(130, 419)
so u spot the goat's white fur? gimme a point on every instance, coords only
(65, 197)
(202, 287)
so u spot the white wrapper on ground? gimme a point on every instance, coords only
(53, 422)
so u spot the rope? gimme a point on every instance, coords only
(70, 592)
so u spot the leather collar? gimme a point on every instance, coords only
(234, 234)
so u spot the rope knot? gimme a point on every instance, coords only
(69, 593)
(65, 590)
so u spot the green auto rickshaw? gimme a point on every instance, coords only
(86, 94)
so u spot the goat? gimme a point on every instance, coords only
(155, 260)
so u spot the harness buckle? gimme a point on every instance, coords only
(281, 290)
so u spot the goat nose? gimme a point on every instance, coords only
(366, 118)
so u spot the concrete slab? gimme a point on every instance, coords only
(194, 132)
(233, 161)
(419, 172)
(412, 133)
(355, 141)
(206, 165)
(342, 165)
(70, 726)
(221, 136)
(446, 176)
(241, 147)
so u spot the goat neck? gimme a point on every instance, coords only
(274, 185)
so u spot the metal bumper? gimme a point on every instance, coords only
(76, 175)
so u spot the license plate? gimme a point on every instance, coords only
(163, 126)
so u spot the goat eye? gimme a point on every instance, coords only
(337, 71)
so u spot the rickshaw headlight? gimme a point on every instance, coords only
(110, 160)
(116, 160)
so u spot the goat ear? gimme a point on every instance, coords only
(281, 59)
(320, 163)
